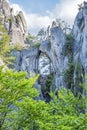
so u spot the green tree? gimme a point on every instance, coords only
(4, 41)
(5, 48)
(14, 87)
(41, 32)
(80, 6)
(19, 109)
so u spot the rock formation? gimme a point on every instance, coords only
(53, 48)
(61, 57)
(80, 45)
(15, 25)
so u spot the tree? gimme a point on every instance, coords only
(80, 6)
(64, 26)
(41, 32)
(19, 109)
(5, 47)
(4, 41)
(14, 86)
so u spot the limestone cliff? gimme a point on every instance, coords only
(80, 46)
(15, 25)
(60, 58)
(68, 53)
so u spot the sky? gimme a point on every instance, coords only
(41, 13)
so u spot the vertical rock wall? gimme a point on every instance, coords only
(15, 25)
(60, 57)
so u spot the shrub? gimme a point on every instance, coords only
(17, 46)
(36, 45)
(68, 47)
(10, 19)
(69, 37)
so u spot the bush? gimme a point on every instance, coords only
(36, 45)
(17, 46)
(10, 19)
(69, 37)
(68, 47)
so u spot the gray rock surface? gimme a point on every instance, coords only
(64, 56)
(28, 60)
(15, 25)
(53, 48)
(80, 45)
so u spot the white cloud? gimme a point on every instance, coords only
(66, 10)
(34, 21)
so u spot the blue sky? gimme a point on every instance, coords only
(41, 13)
(36, 6)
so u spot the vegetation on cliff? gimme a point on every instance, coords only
(5, 47)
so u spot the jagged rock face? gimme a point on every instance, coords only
(15, 25)
(53, 47)
(30, 60)
(5, 8)
(16, 64)
(18, 29)
(5, 13)
(34, 62)
(80, 45)
(27, 60)
(56, 57)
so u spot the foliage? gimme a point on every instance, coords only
(17, 46)
(4, 44)
(80, 6)
(68, 51)
(60, 23)
(5, 48)
(20, 110)
(69, 37)
(10, 19)
(46, 89)
(68, 47)
(36, 45)
(2, 29)
(1, 17)
(68, 74)
(31, 37)
(18, 17)
(14, 87)
(79, 78)
(41, 32)
(63, 25)
(49, 80)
